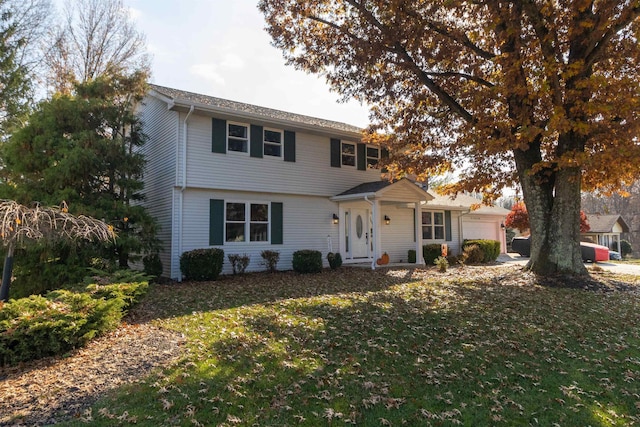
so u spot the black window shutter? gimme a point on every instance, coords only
(361, 157)
(384, 154)
(289, 146)
(216, 222)
(336, 154)
(447, 225)
(218, 136)
(256, 141)
(276, 223)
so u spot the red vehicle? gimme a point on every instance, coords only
(590, 251)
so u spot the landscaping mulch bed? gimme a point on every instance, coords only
(50, 390)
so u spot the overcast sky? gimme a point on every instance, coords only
(220, 48)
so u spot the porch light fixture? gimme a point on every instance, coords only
(335, 219)
(502, 225)
(387, 220)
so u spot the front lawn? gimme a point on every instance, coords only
(470, 347)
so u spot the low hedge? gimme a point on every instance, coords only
(202, 264)
(429, 252)
(489, 248)
(62, 320)
(307, 261)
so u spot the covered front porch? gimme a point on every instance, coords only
(380, 217)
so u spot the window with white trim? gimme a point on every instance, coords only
(373, 157)
(348, 154)
(433, 225)
(246, 222)
(272, 142)
(238, 137)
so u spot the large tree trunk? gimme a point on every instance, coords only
(554, 217)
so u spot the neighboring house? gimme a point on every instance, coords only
(606, 230)
(472, 219)
(246, 179)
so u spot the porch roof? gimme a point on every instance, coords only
(605, 223)
(399, 191)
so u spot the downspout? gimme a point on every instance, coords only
(184, 180)
(373, 217)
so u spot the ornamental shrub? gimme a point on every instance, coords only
(62, 320)
(152, 265)
(238, 262)
(411, 256)
(442, 263)
(431, 252)
(472, 254)
(202, 264)
(271, 259)
(490, 248)
(625, 248)
(307, 261)
(335, 260)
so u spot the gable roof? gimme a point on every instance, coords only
(183, 100)
(605, 223)
(385, 190)
(463, 202)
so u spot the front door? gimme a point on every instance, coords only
(360, 233)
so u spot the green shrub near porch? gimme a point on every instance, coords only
(429, 252)
(490, 248)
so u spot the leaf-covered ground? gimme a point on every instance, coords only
(473, 346)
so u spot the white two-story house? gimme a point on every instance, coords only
(246, 179)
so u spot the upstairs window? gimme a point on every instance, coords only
(238, 137)
(272, 142)
(373, 157)
(433, 225)
(348, 154)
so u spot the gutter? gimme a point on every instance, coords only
(184, 180)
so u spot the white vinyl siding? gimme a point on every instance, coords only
(310, 174)
(307, 225)
(160, 151)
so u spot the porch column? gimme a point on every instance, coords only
(377, 236)
(418, 233)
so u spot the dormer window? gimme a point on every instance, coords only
(272, 141)
(348, 154)
(238, 137)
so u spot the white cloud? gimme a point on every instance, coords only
(232, 61)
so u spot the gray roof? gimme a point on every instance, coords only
(182, 96)
(604, 223)
(464, 202)
(367, 187)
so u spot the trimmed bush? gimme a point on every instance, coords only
(271, 259)
(152, 265)
(37, 326)
(472, 254)
(430, 252)
(307, 261)
(411, 256)
(490, 248)
(238, 262)
(442, 263)
(625, 248)
(335, 260)
(202, 264)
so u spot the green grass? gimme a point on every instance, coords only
(361, 347)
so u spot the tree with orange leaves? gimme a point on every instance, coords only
(519, 218)
(536, 93)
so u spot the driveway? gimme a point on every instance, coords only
(621, 268)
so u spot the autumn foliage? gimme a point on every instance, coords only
(519, 218)
(544, 95)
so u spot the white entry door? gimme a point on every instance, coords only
(360, 233)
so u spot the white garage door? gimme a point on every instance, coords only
(475, 229)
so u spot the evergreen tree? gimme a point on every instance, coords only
(82, 148)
